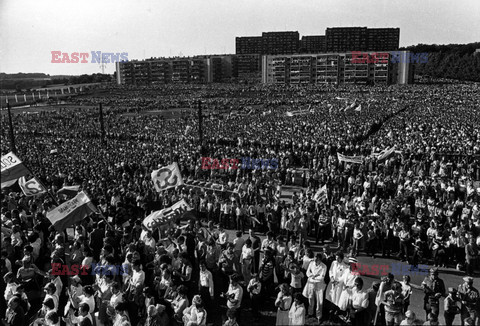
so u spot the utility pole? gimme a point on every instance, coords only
(12, 134)
(102, 126)
(200, 131)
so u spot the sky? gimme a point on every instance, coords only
(31, 29)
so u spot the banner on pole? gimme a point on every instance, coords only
(12, 169)
(31, 187)
(167, 177)
(350, 159)
(166, 215)
(71, 212)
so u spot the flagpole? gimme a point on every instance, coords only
(200, 131)
(102, 126)
(12, 135)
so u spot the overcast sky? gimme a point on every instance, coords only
(31, 29)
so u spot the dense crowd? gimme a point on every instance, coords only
(421, 204)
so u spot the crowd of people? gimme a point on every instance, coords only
(247, 249)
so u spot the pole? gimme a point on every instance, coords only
(200, 132)
(102, 126)
(12, 135)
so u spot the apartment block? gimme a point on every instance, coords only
(280, 42)
(383, 39)
(342, 39)
(249, 45)
(313, 44)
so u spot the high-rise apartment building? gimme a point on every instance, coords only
(249, 45)
(313, 44)
(280, 42)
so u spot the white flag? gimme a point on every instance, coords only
(321, 195)
(167, 177)
(31, 187)
(166, 215)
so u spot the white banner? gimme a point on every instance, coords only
(166, 215)
(31, 187)
(167, 177)
(350, 159)
(321, 195)
(71, 212)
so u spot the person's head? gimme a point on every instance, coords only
(8, 277)
(468, 281)
(197, 301)
(52, 318)
(410, 315)
(433, 273)
(151, 311)
(239, 234)
(115, 286)
(48, 304)
(50, 288)
(452, 292)
(182, 290)
(285, 288)
(339, 256)
(358, 283)
(234, 279)
(298, 298)
(318, 258)
(88, 290)
(406, 279)
(397, 287)
(270, 235)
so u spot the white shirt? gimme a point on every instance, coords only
(206, 280)
(316, 273)
(359, 298)
(237, 292)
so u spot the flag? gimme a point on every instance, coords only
(350, 159)
(167, 177)
(359, 108)
(71, 212)
(321, 195)
(385, 153)
(31, 187)
(12, 169)
(69, 191)
(166, 215)
(289, 114)
(25, 97)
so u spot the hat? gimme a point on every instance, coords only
(468, 279)
(352, 260)
(452, 290)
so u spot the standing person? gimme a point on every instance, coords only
(336, 271)
(296, 315)
(450, 308)
(315, 285)
(471, 254)
(359, 304)
(283, 304)
(256, 249)
(385, 285)
(254, 288)
(406, 291)
(266, 273)
(434, 289)
(238, 243)
(234, 295)
(246, 260)
(470, 299)
(393, 301)
(206, 289)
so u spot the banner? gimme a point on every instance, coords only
(385, 153)
(31, 187)
(350, 159)
(167, 177)
(321, 195)
(69, 191)
(12, 169)
(71, 212)
(166, 215)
